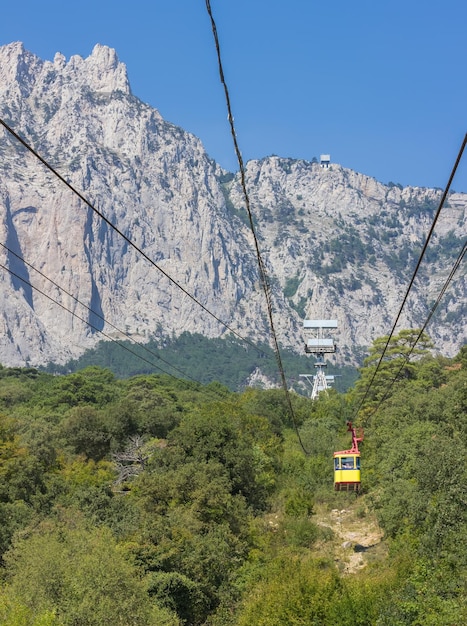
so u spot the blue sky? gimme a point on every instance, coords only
(381, 86)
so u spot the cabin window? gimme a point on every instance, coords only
(336, 464)
(347, 462)
(358, 462)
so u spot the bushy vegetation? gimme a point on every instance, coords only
(154, 500)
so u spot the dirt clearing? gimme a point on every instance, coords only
(356, 538)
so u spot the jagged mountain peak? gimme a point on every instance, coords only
(337, 244)
(103, 71)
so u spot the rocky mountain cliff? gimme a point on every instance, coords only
(336, 244)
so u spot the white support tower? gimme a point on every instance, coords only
(319, 344)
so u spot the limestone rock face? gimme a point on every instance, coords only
(166, 229)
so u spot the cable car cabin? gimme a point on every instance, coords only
(347, 471)
(347, 465)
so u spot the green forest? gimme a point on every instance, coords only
(193, 356)
(153, 500)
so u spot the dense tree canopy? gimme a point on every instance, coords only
(152, 500)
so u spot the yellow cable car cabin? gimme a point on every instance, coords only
(346, 471)
(347, 465)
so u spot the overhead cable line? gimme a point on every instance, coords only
(60, 288)
(407, 356)
(112, 339)
(88, 323)
(427, 241)
(262, 269)
(125, 237)
(26, 282)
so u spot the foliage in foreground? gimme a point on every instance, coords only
(156, 500)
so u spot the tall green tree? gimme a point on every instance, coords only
(397, 364)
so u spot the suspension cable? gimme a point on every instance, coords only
(435, 219)
(98, 315)
(121, 234)
(262, 269)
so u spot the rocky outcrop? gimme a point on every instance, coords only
(335, 243)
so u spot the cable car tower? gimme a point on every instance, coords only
(319, 344)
